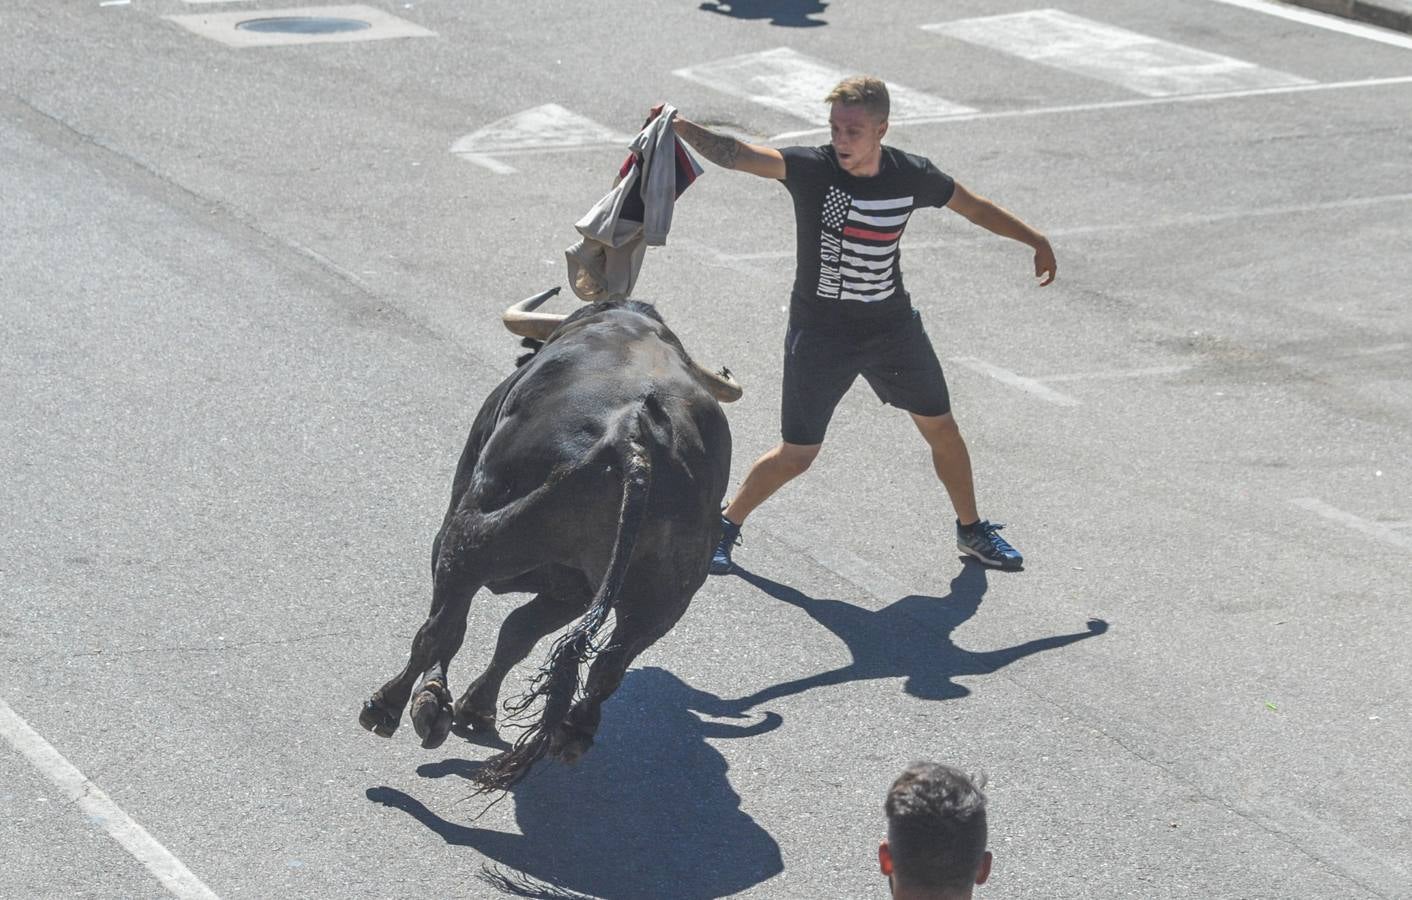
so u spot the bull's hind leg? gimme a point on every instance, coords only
(436, 642)
(642, 618)
(521, 630)
(574, 735)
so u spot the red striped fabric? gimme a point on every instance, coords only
(867, 235)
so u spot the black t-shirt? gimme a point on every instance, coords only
(848, 274)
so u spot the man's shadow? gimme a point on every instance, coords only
(786, 13)
(647, 813)
(909, 639)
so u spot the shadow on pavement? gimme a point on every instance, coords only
(785, 13)
(647, 813)
(909, 639)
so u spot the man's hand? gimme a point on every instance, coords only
(1006, 224)
(1045, 267)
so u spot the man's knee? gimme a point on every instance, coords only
(938, 429)
(796, 458)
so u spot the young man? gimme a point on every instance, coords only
(936, 835)
(850, 314)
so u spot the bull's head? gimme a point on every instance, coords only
(523, 319)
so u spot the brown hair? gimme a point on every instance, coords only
(865, 91)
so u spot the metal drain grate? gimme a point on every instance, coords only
(303, 25)
(290, 26)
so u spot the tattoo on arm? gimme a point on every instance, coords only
(718, 148)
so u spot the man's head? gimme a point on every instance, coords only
(936, 832)
(857, 122)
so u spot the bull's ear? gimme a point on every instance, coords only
(533, 346)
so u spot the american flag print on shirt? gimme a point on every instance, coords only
(858, 246)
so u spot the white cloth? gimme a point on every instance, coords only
(604, 265)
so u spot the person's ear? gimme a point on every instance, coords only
(882, 129)
(984, 871)
(885, 858)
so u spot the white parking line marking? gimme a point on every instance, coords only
(1128, 373)
(1385, 348)
(546, 127)
(1350, 353)
(796, 84)
(1128, 59)
(1380, 530)
(175, 877)
(1323, 20)
(1123, 104)
(1028, 385)
(1235, 215)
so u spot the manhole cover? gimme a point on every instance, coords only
(302, 25)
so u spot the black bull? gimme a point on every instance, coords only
(592, 478)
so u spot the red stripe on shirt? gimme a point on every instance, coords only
(866, 235)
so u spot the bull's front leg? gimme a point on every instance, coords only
(435, 644)
(521, 630)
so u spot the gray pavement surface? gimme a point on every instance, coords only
(249, 304)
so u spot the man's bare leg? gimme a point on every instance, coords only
(772, 471)
(952, 463)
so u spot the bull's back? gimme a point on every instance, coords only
(568, 413)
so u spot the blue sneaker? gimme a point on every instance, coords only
(730, 538)
(981, 541)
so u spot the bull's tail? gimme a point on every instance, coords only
(558, 682)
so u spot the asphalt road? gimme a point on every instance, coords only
(248, 307)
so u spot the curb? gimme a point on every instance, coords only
(1395, 15)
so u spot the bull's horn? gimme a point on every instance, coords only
(521, 318)
(721, 384)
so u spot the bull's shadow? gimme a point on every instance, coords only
(647, 813)
(909, 639)
(785, 13)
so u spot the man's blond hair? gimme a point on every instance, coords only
(865, 91)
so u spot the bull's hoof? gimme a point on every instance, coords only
(378, 719)
(569, 745)
(431, 713)
(473, 721)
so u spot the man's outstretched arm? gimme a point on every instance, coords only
(1006, 224)
(729, 153)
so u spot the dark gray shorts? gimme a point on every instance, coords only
(819, 367)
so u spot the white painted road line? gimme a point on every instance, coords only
(1128, 59)
(1107, 375)
(1005, 376)
(175, 877)
(1039, 387)
(1234, 215)
(796, 84)
(1380, 530)
(1123, 104)
(1324, 20)
(546, 127)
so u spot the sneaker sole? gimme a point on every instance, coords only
(1009, 565)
